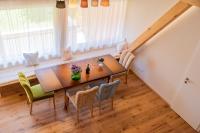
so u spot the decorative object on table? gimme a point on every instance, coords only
(95, 3)
(87, 69)
(31, 59)
(60, 4)
(76, 72)
(105, 3)
(73, 3)
(84, 3)
(100, 61)
(67, 55)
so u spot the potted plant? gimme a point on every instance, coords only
(76, 72)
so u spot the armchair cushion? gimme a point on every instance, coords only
(39, 94)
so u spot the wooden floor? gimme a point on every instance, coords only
(137, 109)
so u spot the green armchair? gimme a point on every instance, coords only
(34, 93)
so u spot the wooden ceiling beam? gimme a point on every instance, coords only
(178, 9)
(192, 2)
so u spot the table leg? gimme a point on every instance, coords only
(1, 91)
(108, 79)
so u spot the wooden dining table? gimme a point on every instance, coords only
(59, 76)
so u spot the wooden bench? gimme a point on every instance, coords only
(10, 82)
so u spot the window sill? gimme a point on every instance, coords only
(9, 76)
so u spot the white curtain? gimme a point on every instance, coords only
(27, 28)
(96, 27)
(37, 26)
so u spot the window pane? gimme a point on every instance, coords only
(26, 30)
(19, 20)
(96, 27)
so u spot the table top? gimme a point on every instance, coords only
(59, 76)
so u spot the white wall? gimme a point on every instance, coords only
(142, 13)
(163, 61)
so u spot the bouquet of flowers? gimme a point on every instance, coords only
(76, 69)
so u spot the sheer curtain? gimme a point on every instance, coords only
(27, 27)
(37, 26)
(96, 27)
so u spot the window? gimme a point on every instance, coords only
(37, 26)
(26, 30)
(96, 27)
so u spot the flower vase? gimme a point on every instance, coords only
(76, 76)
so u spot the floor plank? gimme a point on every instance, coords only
(137, 109)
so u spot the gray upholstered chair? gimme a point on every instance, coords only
(107, 91)
(125, 60)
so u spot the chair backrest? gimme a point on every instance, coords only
(23, 80)
(123, 54)
(86, 98)
(126, 59)
(107, 90)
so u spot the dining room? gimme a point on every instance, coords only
(99, 66)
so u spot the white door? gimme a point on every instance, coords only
(187, 100)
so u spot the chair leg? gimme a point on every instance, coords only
(54, 105)
(92, 111)
(112, 102)
(99, 107)
(126, 76)
(1, 89)
(66, 103)
(31, 108)
(66, 98)
(77, 115)
(108, 80)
